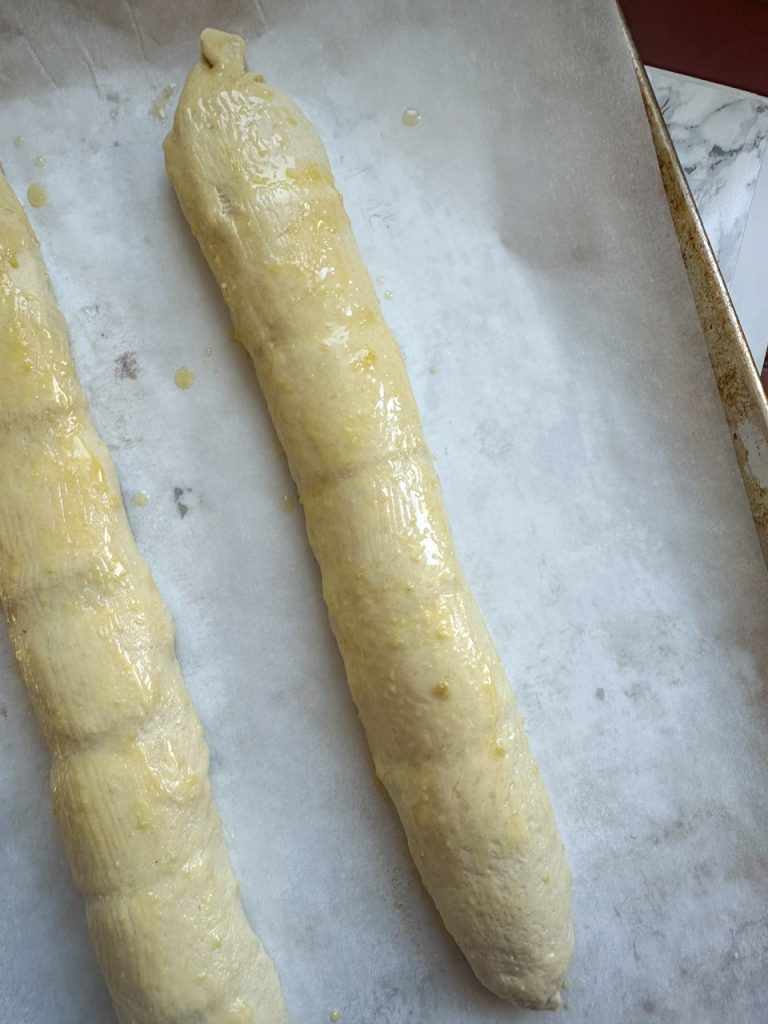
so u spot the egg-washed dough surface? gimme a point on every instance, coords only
(95, 645)
(447, 742)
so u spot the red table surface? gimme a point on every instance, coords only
(722, 41)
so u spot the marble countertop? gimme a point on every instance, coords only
(720, 135)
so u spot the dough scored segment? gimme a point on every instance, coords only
(254, 182)
(129, 762)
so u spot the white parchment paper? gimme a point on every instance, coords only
(539, 296)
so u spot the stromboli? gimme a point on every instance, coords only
(255, 185)
(129, 762)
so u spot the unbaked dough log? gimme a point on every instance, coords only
(255, 185)
(95, 643)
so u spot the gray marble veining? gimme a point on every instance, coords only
(749, 287)
(720, 136)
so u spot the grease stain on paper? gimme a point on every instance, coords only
(37, 195)
(160, 102)
(184, 378)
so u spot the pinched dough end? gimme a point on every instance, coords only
(221, 50)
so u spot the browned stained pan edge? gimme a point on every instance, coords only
(741, 391)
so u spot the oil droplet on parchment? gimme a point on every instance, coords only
(335, 1015)
(208, 352)
(18, 141)
(184, 378)
(388, 294)
(37, 194)
(411, 117)
(159, 103)
(380, 279)
(39, 161)
(140, 499)
(288, 502)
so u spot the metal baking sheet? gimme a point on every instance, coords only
(538, 292)
(741, 390)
